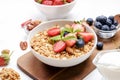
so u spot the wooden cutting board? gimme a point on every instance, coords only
(40, 71)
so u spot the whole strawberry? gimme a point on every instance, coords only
(4, 57)
(2, 61)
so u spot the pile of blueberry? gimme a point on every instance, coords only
(105, 23)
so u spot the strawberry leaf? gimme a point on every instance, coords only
(77, 30)
(69, 38)
(64, 29)
(5, 51)
(5, 56)
(56, 38)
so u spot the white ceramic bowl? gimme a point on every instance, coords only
(53, 61)
(55, 12)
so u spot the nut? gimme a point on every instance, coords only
(33, 24)
(23, 45)
(36, 22)
(30, 27)
(70, 50)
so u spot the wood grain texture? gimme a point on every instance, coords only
(40, 71)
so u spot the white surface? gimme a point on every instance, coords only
(14, 12)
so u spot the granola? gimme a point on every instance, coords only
(42, 44)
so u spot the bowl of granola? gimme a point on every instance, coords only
(62, 43)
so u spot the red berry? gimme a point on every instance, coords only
(47, 2)
(59, 46)
(86, 36)
(58, 2)
(70, 43)
(53, 31)
(2, 61)
(69, 1)
(78, 27)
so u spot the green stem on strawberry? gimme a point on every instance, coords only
(65, 1)
(5, 58)
(11, 53)
(39, 1)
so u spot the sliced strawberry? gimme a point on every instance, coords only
(59, 46)
(69, 1)
(26, 23)
(70, 43)
(78, 27)
(58, 2)
(86, 36)
(53, 31)
(47, 2)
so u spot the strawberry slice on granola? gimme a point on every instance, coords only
(59, 46)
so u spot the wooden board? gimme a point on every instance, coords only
(40, 71)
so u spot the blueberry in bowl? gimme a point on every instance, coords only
(106, 27)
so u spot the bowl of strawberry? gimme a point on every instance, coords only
(55, 9)
(62, 43)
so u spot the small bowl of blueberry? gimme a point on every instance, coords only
(106, 27)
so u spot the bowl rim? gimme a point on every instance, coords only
(57, 20)
(73, 2)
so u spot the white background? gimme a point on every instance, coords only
(14, 12)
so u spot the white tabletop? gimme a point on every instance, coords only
(14, 12)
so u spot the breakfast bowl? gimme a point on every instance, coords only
(55, 11)
(106, 27)
(49, 47)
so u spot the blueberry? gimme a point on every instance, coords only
(115, 23)
(108, 22)
(102, 19)
(65, 33)
(80, 43)
(113, 27)
(89, 21)
(111, 18)
(98, 25)
(98, 18)
(99, 45)
(105, 28)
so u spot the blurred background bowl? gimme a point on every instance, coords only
(55, 11)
